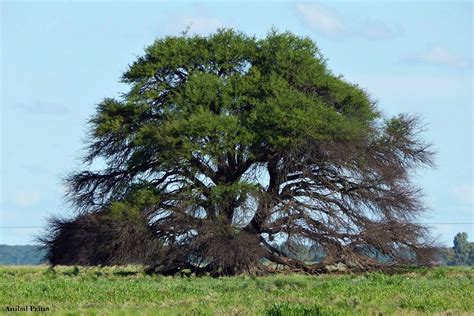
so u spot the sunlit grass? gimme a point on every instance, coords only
(129, 291)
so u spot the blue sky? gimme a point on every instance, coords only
(59, 59)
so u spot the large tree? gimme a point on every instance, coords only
(233, 143)
(462, 248)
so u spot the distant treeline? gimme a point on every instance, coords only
(461, 254)
(26, 255)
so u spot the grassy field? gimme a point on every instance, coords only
(128, 291)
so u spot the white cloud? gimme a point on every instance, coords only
(25, 199)
(330, 23)
(375, 29)
(322, 19)
(439, 56)
(200, 24)
(465, 193)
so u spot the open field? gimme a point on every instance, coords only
(127, 291)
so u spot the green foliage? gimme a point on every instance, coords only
(448, 255)
(462, 253)
(295, 310)
(220, 193)
(50, 273)
(74, 271)
(131, 209)
(128, 291)
(239, 94)
(461, 248)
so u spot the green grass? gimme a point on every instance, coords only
(128, 291)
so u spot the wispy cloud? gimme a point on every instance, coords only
(373, 29)
(439, 56)
(322, 19)
(330, 23)
(43, 108)
(465, 193)
(25, 199)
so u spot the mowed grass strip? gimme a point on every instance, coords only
(128, 291)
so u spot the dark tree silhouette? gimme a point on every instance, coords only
(100, 239)
(231, 143)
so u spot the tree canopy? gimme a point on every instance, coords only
(226, 143)
(463, 250)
